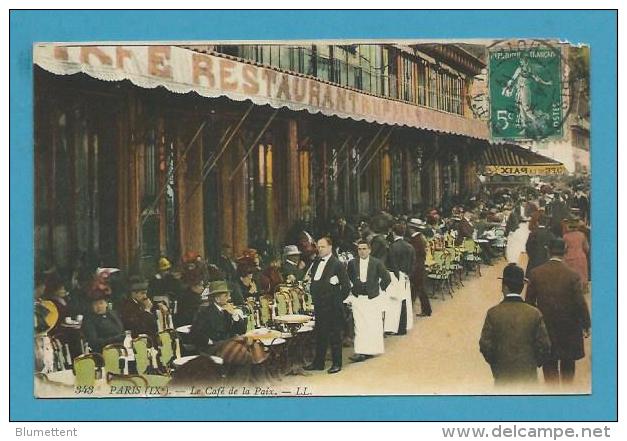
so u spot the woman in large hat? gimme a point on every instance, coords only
(101, 326)
(577, 249)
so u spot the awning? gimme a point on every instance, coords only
(213, 75)
(513, 160)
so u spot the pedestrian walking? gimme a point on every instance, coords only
(556, 290)
(514, 338)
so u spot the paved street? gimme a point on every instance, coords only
(439, 356)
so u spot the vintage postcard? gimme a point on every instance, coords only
(312, 218)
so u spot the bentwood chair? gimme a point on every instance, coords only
(169, 347)
(86, 368)
(281, 303)
(471, 255)
(439, 273)
(141, 346)
(265, 310)
(111, 355)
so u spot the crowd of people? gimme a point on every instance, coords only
(364, 276)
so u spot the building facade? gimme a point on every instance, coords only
(143, 151)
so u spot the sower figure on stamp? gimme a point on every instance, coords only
(399, 315)
(368, 276)
(514, 339)
(556, 290)
(418, 241)
(329, 288)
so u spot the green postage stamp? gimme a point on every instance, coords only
(526, 100)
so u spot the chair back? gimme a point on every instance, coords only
(140, 348)
(111, 355)
(85, 368)
(469, 245)
(167, 347)
(265, 310)
(281, 303)
(296, 307)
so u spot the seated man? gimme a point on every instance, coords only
(135, 310)
(217, 320)
(102, 327)
(293, 268)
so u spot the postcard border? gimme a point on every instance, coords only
(597, 28)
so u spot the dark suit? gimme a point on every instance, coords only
(537, 244)
(556, 290)
(137, 320)
(379, 248)
(417, 277)
(327, 299)
(401, 257)
(559, 212)
(464, 230)
(514, 341)
(377, 278)
(291, 269)
(101, 330)
(211, 323)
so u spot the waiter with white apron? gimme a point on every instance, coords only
(368, 277)
(401, 261)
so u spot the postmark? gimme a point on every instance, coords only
(527, 94)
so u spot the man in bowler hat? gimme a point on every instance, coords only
(514, 339)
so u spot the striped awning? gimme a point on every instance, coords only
(513, 160)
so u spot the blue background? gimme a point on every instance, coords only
(597, 28)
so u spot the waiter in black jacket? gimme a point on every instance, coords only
(329, 287)
(368, 276)
(399, 313)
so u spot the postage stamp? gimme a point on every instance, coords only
(526, 81)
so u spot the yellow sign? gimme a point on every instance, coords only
(524, 170)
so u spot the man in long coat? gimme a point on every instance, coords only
(514, 339)
(417, 278)
(368, 276)
(556, 290)
(329, 288)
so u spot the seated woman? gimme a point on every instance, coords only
(217, 320)
(244, 286)
(188, 303)
(102, 327)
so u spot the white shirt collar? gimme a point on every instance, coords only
(415, 234)
(220, 308)
(397, 237)
(556, 259)
(513, 294)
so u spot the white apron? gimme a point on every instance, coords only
(397, 291)
(516, 243)
(368, 325)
